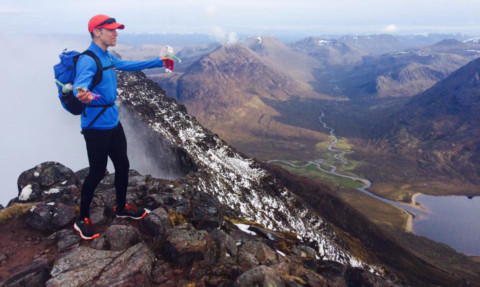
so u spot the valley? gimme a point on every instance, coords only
(334, 169)
(352, 115)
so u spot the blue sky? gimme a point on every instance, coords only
(247, 16)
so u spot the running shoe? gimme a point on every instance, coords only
(131, 211)
(86, 229)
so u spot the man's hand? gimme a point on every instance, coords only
(85, 96)
(164, 61)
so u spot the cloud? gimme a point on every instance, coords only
(211, 10)
(37, 129)
(223, 36)
(218, 33)
(390, 29)
(232, 38)
(14, 10)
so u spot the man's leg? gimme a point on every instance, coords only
(118, 153)
(97, 149)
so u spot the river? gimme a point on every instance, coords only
(453, 220)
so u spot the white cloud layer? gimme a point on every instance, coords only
(211, 10)
(246, 16)
(390, 29)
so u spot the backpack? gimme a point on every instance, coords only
(65, 75)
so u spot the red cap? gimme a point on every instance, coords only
(103, 21)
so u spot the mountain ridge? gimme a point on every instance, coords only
(445, 121)
(229, 91)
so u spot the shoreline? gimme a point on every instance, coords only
(411, 216)
(409, 224)
(414, 203)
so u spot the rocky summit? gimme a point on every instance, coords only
(226, 221)
(189, 238)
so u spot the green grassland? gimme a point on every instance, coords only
(312, 171)
(379, 212)
(328, 156)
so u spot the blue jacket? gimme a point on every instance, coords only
(107, 88)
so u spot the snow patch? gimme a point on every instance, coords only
(52, 191)
(36, 174)
(26, 192)
(473, 40)
(323, 42)
(259, 40)
(244, 228)
(281, 253)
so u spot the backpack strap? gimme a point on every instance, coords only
(99, 74)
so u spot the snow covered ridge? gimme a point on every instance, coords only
(323, 42)
(473, 40)
(235, 180)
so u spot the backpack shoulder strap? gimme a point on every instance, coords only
(99, 74)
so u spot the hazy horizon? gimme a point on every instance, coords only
(223, 18)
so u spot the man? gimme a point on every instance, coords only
(103, 133)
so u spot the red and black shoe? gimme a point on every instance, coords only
(131, 211)
(86, 229)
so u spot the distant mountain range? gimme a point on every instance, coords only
(235, 89)
(385, 43)
(330, 52)
(399, 74)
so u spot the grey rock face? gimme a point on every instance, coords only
(259, 276)
(121, 237)
(132, 268)
(185, 245)
(50, 216)
(68, 242)
(105, 268)
(156, 222)
(3, 258)
(247, 259)
(97, 215)
(206, 214)
(33, 274)
(227, 250)
(294, 274)
(360, 277)
(40, 182)
(264, 254)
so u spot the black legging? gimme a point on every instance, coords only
(102, 144)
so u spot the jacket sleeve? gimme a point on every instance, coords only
(86, 69)
(124, 65)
